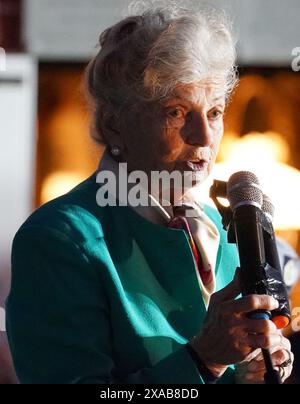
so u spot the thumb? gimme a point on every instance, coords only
(230, 292)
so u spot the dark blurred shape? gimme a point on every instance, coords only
(290, 264)
(11, 25)
(295, 341)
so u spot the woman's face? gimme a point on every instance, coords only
(181, 133)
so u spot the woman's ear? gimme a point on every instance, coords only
(110, 128)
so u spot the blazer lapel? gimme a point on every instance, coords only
(166, 253)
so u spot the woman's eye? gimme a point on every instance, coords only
(216, 114)
(175, 113)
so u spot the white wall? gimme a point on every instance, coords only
(17, 146)
(69, 29)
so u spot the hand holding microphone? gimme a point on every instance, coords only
(252, 230)
(228, 336)
(249, 225)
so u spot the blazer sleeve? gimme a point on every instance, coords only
(58, 321)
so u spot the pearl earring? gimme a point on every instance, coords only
(115, 151)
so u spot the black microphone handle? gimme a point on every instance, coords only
(249, 235)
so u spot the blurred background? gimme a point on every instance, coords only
(44, 117)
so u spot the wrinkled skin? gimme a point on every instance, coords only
(230, 337)
(185, 126)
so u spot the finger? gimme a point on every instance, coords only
(278, 358)
(286, 373)
(263, 341)
(258, 377)
(259, 326)
(253, 355)
(230, 292)
(255, 366)
(285, 345)
(251, 303)
(255, 378)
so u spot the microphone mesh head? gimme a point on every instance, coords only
(267, 207)
(243, 177)
(243, 189)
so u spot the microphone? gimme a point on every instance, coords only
(248, 222)
(246, 200)
(253, 233)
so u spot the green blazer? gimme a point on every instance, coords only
(101, 295)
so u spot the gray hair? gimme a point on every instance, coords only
(147, 54)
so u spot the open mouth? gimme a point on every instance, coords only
(198, 165)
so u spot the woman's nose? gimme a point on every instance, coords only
(200, 133)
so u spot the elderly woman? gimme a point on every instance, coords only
(142, 293)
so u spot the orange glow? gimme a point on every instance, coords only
(58, 184)
(261, 147)
(265, 155)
